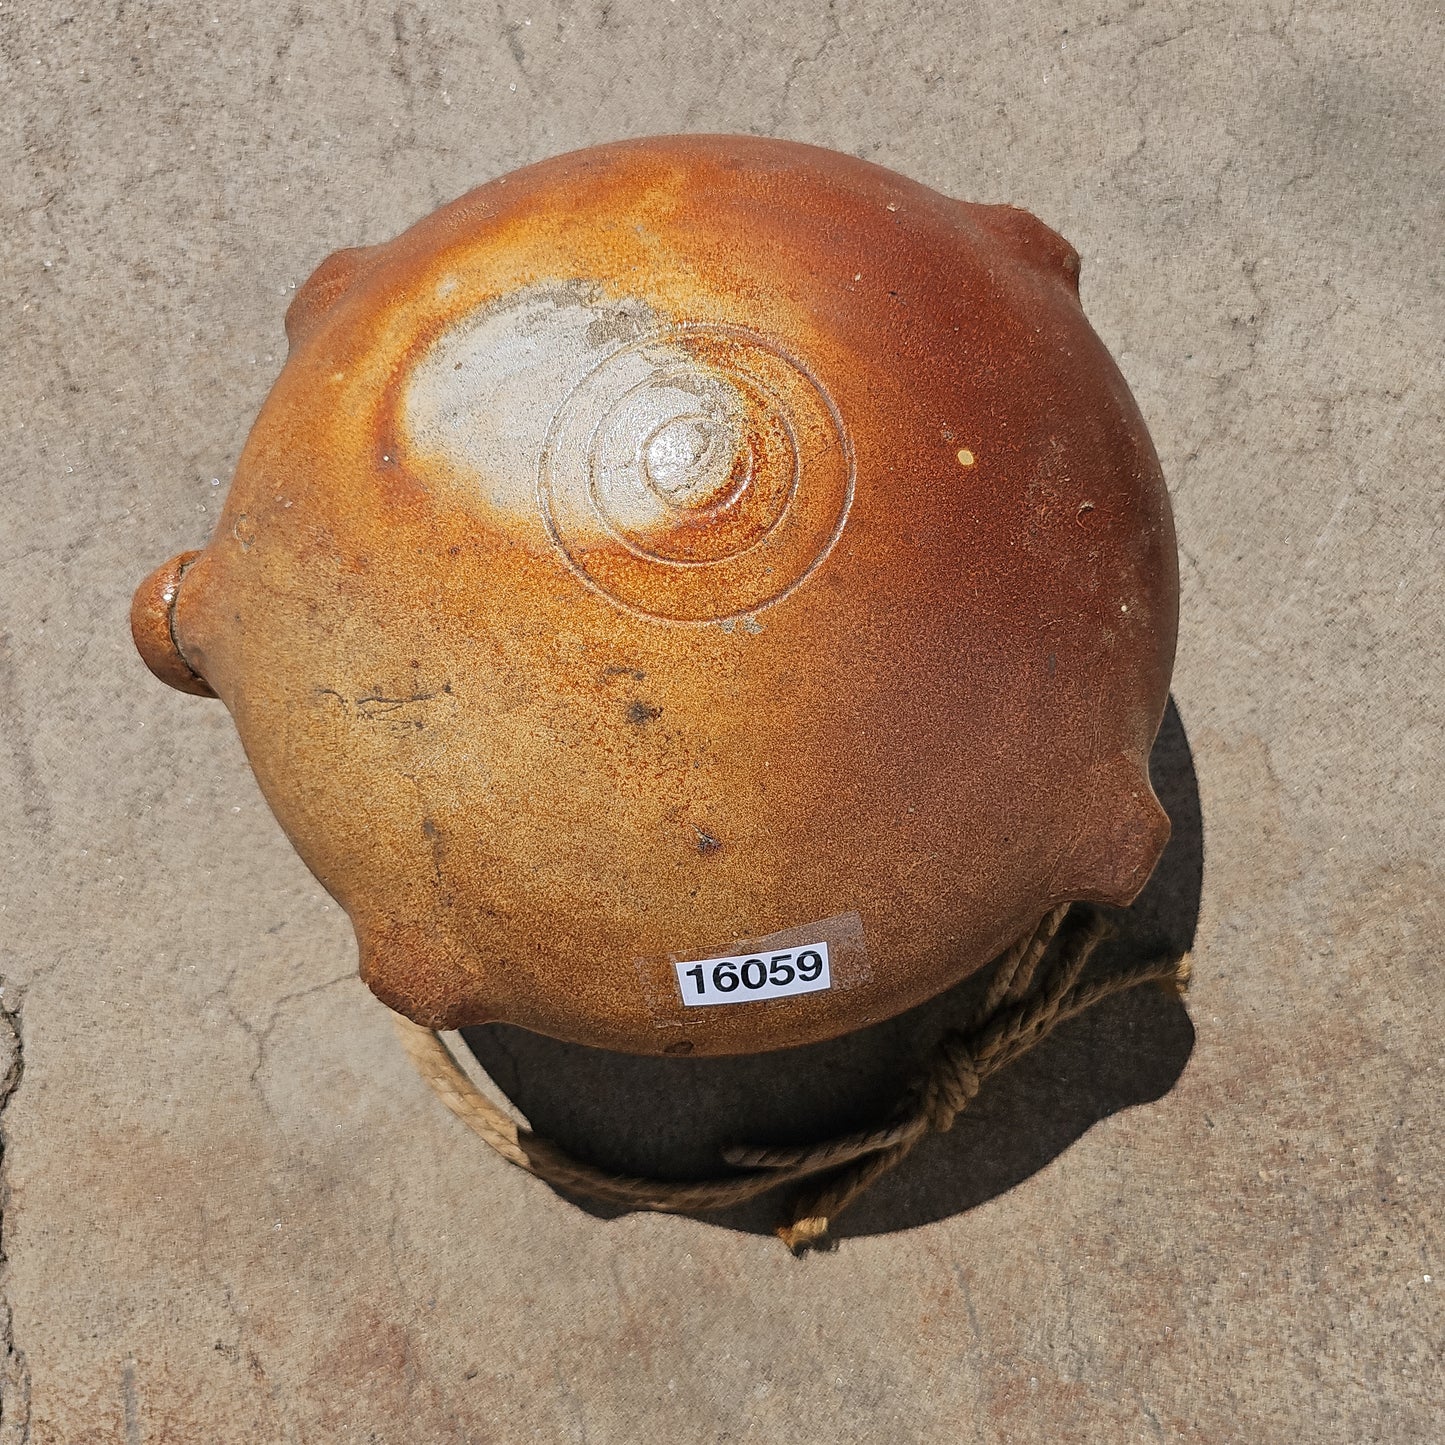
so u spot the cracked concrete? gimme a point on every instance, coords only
(229, 1212)
(14, 1369)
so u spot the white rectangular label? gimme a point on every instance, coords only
(750, 977)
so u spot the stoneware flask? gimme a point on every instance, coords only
(694, 595)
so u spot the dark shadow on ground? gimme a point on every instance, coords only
(669, 1118)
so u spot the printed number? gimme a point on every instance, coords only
(736, 980)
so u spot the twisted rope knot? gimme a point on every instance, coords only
(1020, 1008)
(951, 1085)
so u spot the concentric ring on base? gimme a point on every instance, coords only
(696, 474)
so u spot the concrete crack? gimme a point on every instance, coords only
(804, 59)
(14, 1371)
(261, 1037)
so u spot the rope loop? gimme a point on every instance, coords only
(951, 1085)
(1023, 1004)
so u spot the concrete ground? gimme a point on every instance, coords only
(231, 1212)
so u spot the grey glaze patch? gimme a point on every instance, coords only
(688, 473)
(481, 402)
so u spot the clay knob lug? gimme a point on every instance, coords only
(151, 614)
(417, 971)
(1032, 241)
(326, 284)
(1125, 834)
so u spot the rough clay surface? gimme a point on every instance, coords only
(231, 1213)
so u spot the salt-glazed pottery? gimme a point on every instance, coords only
(696, 595)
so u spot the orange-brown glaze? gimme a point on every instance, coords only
(684, 542)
